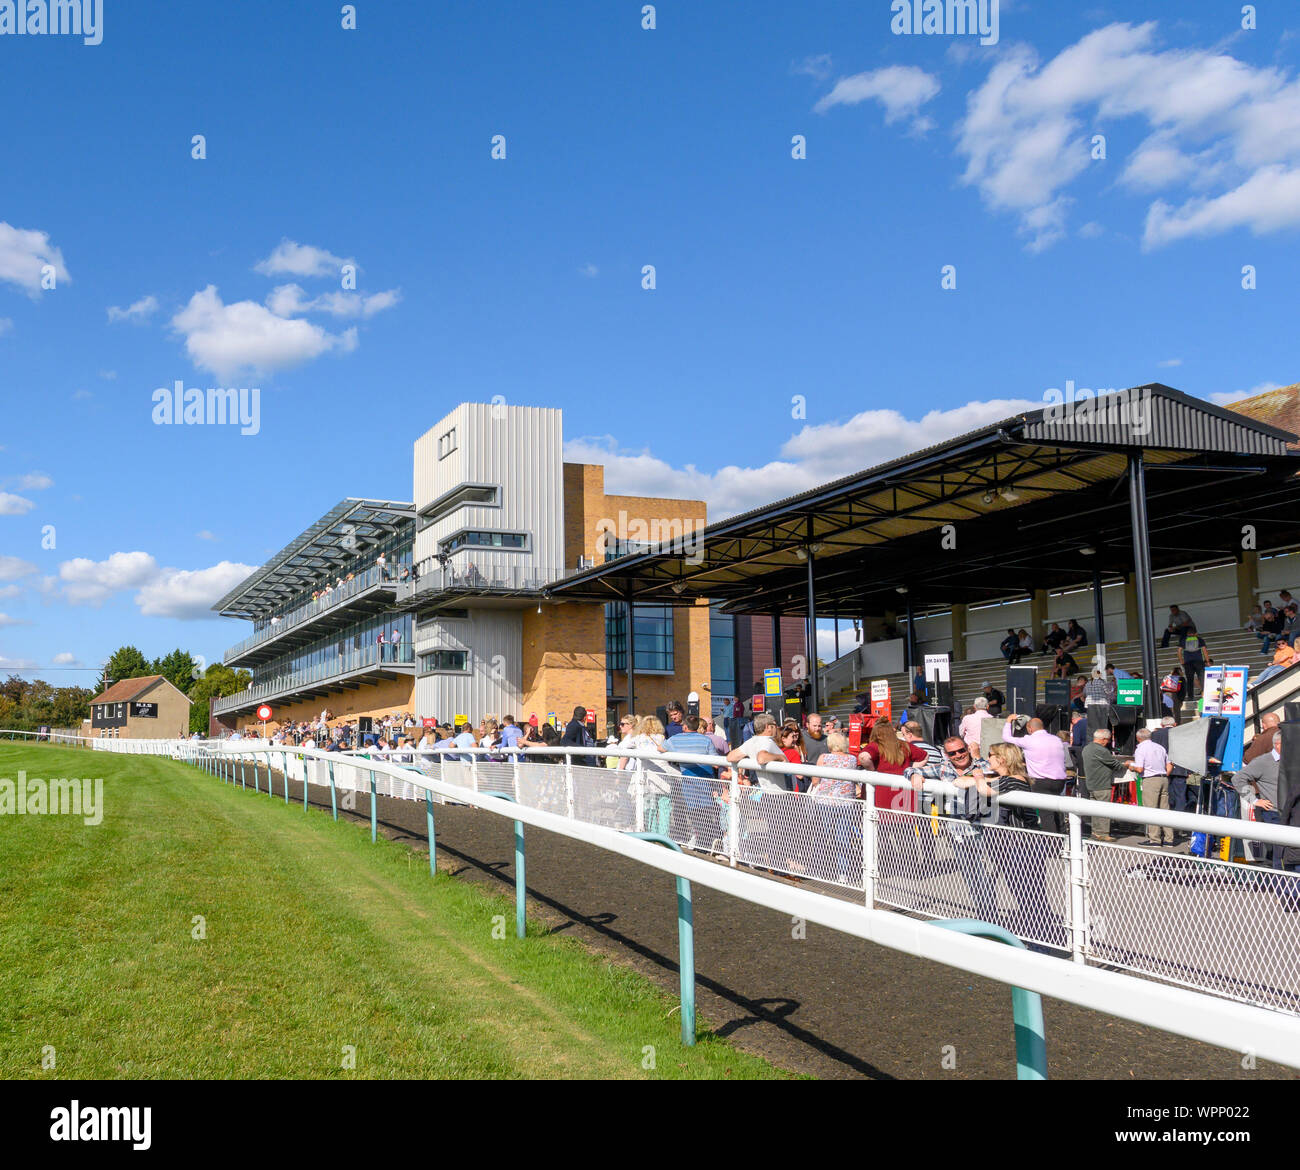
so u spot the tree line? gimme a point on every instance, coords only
(26, 705)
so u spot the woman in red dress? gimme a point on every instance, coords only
(890, 755)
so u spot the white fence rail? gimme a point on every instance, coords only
(1212, 927)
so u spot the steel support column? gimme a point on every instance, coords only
(629, 611)
(810, 637)
(1098, 607)
(1137, 498)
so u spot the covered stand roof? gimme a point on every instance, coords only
(343, 533)
(1035, 501)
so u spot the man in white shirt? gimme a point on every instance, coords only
(762, 748)
(464, 738)
(1153, 762)
(970, 725)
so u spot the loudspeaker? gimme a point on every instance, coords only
(1192, 745)
(1054, 716)
(1056, 692)
(1022, 684)
(365, 723)
(1291, 711)
(935, 722)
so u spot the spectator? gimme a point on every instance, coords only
(995, 698)
(1173, 689)
(919, 687)
(699, 788)
(1064, 665)
(1152, 761)
(814, 741)
(837, 816)
(1026, 644)
(575, 731)
(709, 728)
(966, 770)
(1054, 639)
(1100, 767)
(1180, 625)
(1045, 760)
(627, 739)
(1194, 657)
(762, 748)
(1178, 777)
(1262, 743)
(970, 725)
(676, 714)
(510, 733)
(891, 756)
(1010, 646)
(1075, 636)
(1273, 623)
(1257, 785)
(1255, 623)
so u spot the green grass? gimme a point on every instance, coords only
(316, 939)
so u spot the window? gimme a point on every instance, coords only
(447, 443)
(493, 540)
(453, 661)
(480, 495)
(654, 638)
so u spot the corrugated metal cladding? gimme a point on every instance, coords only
(520, 450)
(495, 641)
(1135, 418)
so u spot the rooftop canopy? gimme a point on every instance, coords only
(1036, 501)
(342, 534)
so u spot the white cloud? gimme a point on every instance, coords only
(35, 481)
(1170, 362)
(17, 663)
(813, 456)
(1091, 230)
(245, 336)
(142, 310)
(288, 300)
(87, 582)
(190, 595)
(206, 535)
(81, 395)
(293, 259)
(1227, 397)
(11, 505)
(6, 620)
(1224, 133)
(589, 269)
(11, 568)
(66, 658)
(6, 324)
(7, 591)
(23, 253)
(901, 89)
(818, 66)
(186, 594)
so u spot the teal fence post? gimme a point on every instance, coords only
(334, 803)
(374, 828)
(685, 939)
(304, 784)
(284, 771)
(428, 817)
(243, 784)
(1026, 1006)
(521, 878)
(255, 787)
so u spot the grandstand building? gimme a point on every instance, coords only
(148, 707)
(460, 597)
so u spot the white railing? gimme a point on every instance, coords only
(1207, 925)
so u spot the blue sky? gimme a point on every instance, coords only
(775, 277)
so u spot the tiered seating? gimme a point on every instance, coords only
(1226, 646)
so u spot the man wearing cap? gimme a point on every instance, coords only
(995, 698)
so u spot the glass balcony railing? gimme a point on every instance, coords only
(401, 654)
(433, 576)
(327, 601)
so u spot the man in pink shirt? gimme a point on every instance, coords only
(1045, 761)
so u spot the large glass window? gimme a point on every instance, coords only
(654, 638)
(722, 651)
(444, 660)
(515, 540)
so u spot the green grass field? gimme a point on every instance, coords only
(316, 940)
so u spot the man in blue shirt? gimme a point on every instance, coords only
(510, 733)
(699, 787)
(675, 716)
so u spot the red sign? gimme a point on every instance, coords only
(429, 721)
(532, 719)
(264, 712)
(855, 733)
(591, 715)
(758, 704)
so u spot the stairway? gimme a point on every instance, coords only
(1237, 647)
